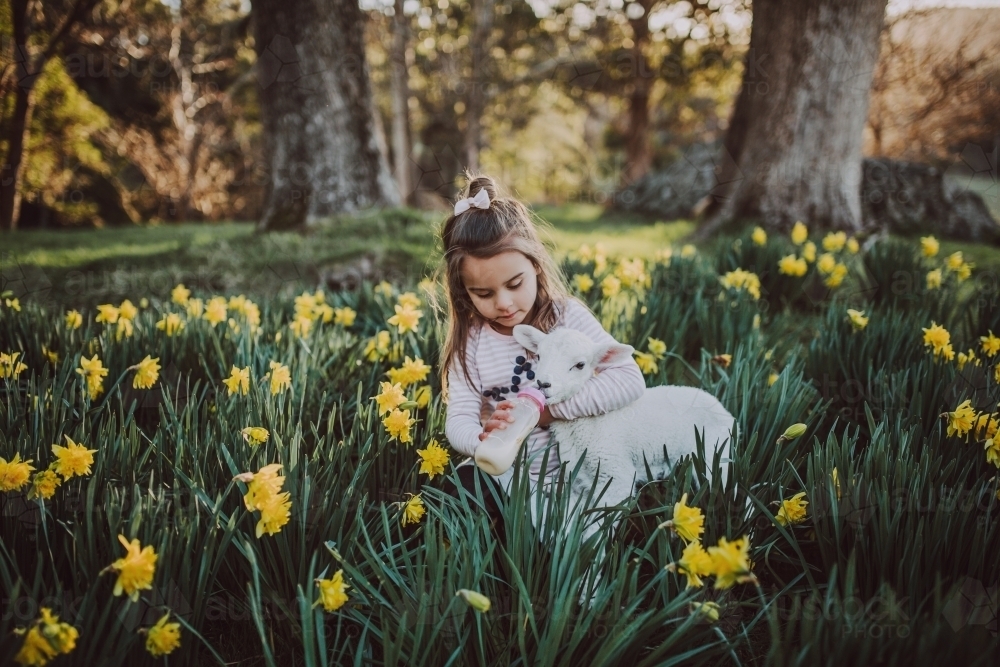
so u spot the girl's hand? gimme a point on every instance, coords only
(499, 419)
(546, 418)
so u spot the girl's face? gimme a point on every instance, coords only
(502, 288)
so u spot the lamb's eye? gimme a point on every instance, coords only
(579, 366)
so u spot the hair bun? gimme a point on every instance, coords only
(479, 182)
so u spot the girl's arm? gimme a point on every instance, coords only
(465, 403)
(612, 388)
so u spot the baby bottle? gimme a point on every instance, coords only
(497, 452)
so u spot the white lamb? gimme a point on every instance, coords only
(620, 439)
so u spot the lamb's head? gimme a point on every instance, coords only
(567, 358)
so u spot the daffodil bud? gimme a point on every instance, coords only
(709, 611)
(792, 432)
(477, 601)
(408, 405)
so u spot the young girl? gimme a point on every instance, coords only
(498, 275)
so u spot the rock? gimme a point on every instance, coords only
(898, 197)
(673, 192)
(911, 198)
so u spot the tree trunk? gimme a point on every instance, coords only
(317, 113)
(793, 148)
(400, 105)
(476, 100)
(10, 172)
(638, 157)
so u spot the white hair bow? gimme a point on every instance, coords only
(481, 200)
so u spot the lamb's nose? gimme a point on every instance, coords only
(544, 385)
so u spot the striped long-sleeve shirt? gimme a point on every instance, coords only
(492, 358)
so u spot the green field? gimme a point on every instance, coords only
(891, 560)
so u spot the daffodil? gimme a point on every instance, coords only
(834, 241)
(433, 459)
(127, 310)
(301, 326)
(688, 251)
(332, 592)
(93, 371)
(708, 610)
(656, 347)
(195, 308)
(422, 397)
(937, 338)
(583, 282)
(960, 420)
(809, 252)
(10, 366)
(13, 304)
(44, 484)
(170, 324)
(275, 512)
(238, 381)
(216, 310)
(73, 460)
(408, 300)
(687, 522)
(73, 320)
(344, 316)
(853, 246)
(384, 288)
(837, 275)
(378, 346)
(413, 510)
(954, 261)
(731, 563)
(280, 377)
(990, 344)
(759, 236)
(792, 266)
(135, 569)
(826, 263)
(390, 397)
(934, 279)
(792, 510)
(647, 362)
(474, 599)
(107, 313)
(180, 294)
(992, 447)
(799, 233)
(163, 638)
(771, 379)
(412, 372)
(695, 563)
(405, 319)
(723, 360)
(858, 319)
(398, 425)
(965, 358)
(255, 435)
(610, 286)
(741, 279)
(14, 473)
(930, 246)
(45, 639)
(147, 372)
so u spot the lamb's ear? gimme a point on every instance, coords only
(528, 336)
(612, 354)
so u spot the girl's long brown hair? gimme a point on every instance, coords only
(482, 233)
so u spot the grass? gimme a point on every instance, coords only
(871, 576)
(87, 267)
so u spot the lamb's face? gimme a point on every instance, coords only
(566, 359)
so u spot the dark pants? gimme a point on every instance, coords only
(468, 474)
